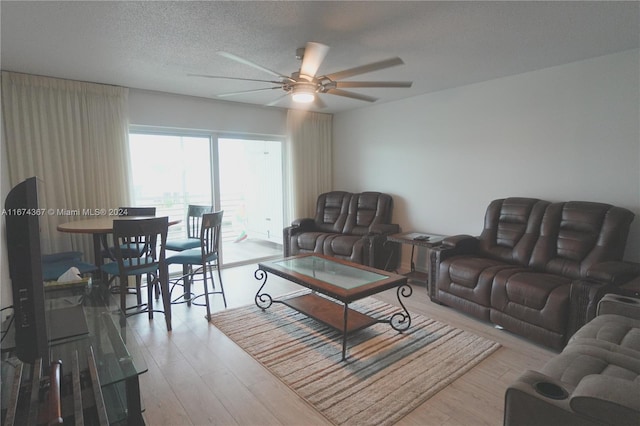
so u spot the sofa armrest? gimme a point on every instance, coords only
(300, 225)
(614, 273)
(303, 224)
(456, 245)
(585, 294)
(583, 302)
(449, 247)
(384, 229)
(537, 399)
(619, 305)
(603, 398)
(380, 253)
(297, 226)
(463, 242)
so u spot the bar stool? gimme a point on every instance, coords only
(149, 237)
(205, 257)
(194, 221)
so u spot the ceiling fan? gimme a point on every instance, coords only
(303, 85)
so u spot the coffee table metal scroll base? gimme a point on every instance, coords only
(328, 312)
(401, 321)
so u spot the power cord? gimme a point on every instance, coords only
(5, 332)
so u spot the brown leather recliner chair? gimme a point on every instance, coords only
(525, 271)
(347, 226)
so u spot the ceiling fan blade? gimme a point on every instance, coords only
(277, 100)
(362, 69)
(314, 54)
(252, 64)
(352, 95)
(233, 78)
(242, 92)
(353, 84)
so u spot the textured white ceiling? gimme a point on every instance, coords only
(154, 45)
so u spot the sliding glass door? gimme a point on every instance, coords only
(251, 196)
(242, 176)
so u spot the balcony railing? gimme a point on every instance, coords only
(175, 206)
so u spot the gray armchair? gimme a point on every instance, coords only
(594, 381)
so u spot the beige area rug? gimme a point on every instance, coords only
(386, 375)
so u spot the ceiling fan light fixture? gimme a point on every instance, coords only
(303, 93)
(304, 84)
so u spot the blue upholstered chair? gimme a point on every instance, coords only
(108, 252)
(56, 264)
(194, 221)
(204, 257)
(147, 237)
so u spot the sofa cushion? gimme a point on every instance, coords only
(576, 235)
(607, 399)
(470, 278)
(511, 227)
(308, 241)
(349, 247)
(367, 209)
(535, 298)
(615, 333)
(331, 211)
(580, 360)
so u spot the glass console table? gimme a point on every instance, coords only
(89, 334)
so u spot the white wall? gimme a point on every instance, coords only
(569, 132)
(187, 112)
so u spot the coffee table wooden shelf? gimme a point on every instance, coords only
(339, 280)
(329, 313)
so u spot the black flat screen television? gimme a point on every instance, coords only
(25, 269)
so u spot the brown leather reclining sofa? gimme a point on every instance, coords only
(347, 226)
(535, 265)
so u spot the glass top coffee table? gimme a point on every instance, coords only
(340, 280)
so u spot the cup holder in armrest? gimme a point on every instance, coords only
(551, 390)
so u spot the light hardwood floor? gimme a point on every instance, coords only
(197, 376)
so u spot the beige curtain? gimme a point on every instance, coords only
(74, 137)
(309, 139)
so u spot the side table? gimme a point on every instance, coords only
(419, 239)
